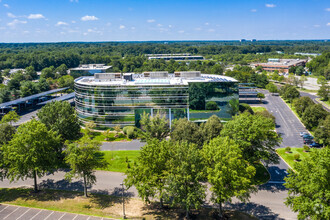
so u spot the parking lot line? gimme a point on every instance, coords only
(75, 217)
(23, 213)
(49, 215)
(62, 216)
(36, 214)
(4, 208)
(11, 212)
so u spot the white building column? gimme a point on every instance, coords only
(188, 113)
(170, 117)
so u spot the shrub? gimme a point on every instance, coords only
(296, 157)
(130, 132)
(126, 128)
(212, 105)
(306, 148)
(288, 149)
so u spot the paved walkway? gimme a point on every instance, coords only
(11, 212)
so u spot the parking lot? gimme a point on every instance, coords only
(10, 212)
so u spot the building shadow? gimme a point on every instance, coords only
(257, 210)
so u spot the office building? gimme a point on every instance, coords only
(282, 65)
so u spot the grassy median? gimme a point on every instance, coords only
(119, 161)
(289, 157)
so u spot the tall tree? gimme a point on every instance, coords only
(301, 104)
(10, 117)
(62, 118)
(84, 157)
(227, 172)
(233, 106)
(185, 130)
(32, 152)
(322, 132)
(271, 88)
(255, 135)
(313, 115)
(308, 187)
(211, 128)
(150, 172)
(155, 127)
(324, 92)
(7, 132)
(185, 175)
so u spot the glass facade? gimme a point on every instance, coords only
(124, 104)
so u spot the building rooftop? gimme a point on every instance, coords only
(91, 67)
(151, 78)
(282, 62)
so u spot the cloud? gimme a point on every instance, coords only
(328, 24)
(254, 10)
(151, 20)
(35, 16)
(181, 32)
(210, 30)
(6, 5)
(133, 28)
(198, 29)
(122, 27)
(89, 18)
(15, 22)
(207, 23)
(61, 23)
(270, 5)
(327, 9)
(159, 25)
(11, 15)
(170, 26)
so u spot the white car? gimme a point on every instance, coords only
(303, 133)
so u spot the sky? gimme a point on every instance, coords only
(162, 20)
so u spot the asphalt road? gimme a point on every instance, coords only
(313, 97)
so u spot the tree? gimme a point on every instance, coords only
(150, 172)
(84, 157)
(255, 135)
(185, 175)
(260, 96)
(308, 187)
(66, 81)
(272, 88)
(302, 80)
(10, 117)
(4, 95)
(321, 80)
(245, 107)
(6, 133)
(234, 106)
(322, 132)
(227, 172)
(62, 118)
(266, 114)
(30, 73)
(300, 70)
(184, 130)
(28, 88)
(324, 92)
(289, 92)
(43, 85)
(48, 72)
(313, 115)
(211, 128)
(62, 70)
(32, 152)
(212, 105)
(301, 104)
(155, 127)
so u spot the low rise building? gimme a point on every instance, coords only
(90, 69)
(281, 65)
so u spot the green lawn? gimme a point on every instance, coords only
(203, 111)
(288, 157)
(118, 159)
(258, 108)
(97, 135)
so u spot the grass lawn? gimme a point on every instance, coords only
(307, 90)
(258, 108)
(117, 159)
(96, 135)
(262, 175)
(102, 205)
(203, 111)
(288, 157)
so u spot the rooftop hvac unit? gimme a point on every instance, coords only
(106, 76)
(188, 74)
(156, 75)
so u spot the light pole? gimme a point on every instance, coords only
(123, 190)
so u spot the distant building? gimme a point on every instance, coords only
(242, 40)
(282, 65)
(90, 69)
(180, 57)
(308, 54)
(253, 40)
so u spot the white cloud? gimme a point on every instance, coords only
(122, 27)
(198, 29)
(210, 30)
(328, 24)
(317, 25)
(35, 16)
(151, 20)
(254, 10)
(270, 5)
(73, 22)
(133, 28)
(181, 32)
(327, 9)
(11, 15)
(15, 22)
(89, 18)
(61, 23)
(170, 26)
(159, 25)
(207, 23)
(6, 5)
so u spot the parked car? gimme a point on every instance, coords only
(303, 133)
(314, 144)
(308, 141)
(307, 136)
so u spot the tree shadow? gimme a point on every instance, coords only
(272, 187)
(62, 185)
(259, 211)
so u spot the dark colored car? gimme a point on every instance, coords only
(308, 141)
(307, 136)
(314, 144)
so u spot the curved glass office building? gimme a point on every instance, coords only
(111, 99)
